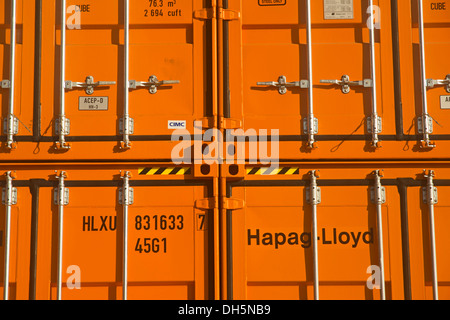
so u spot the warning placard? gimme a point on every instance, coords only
(445, 102)
(338, 9)
(271, 2)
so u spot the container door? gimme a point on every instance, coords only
(166, 80)
(436, 21)
(18, 259)
(420, 235)
(268, 67)
(21, 85)
(271, 250)
(168, 242)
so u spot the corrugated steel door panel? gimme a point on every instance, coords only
(23, 82)
(421, 253)
(271, 41)
(169, 242)
(436, 19)
(19, 247)
(165, 41)
(271, 251)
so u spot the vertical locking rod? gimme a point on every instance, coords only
(375, 127)
(314, 200)
(8, 202)
(379, 199)
(311, 119)
(125, 203)
(125, 144)
(431, 200)
(426, 130)
(60, 202)
(10, 121)
(61, 122)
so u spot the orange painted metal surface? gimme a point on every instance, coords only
(260, 247)
(270, 246)
(226, 230)
(170, 234)
(169, 40)
(270, 41)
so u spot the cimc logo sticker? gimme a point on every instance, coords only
(176, 124)
(272, 2)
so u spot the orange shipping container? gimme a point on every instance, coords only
(260, 246)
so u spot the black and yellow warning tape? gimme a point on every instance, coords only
(281, 171)
(164, 171)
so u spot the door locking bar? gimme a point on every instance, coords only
(424, 120)
(430, 197)
(9, 198)
(282, 84)
(311, 123)
(378, 197)
(431, 83)
(374, 122)
(11, 125)
(62, 124)
(153, 84)
(126, 124)
(61, 199)
(313, 196)
(126, 198)
(89, 84)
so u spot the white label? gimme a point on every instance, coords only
(93, 103)
(338, 9)
(176, 124)
(445, 102)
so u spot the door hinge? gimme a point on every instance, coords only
(229, 123)
(206, 14)
(227, 204)
(213, 13)
(206, 123)
(206, 204)
(232, 204)
(226, 14)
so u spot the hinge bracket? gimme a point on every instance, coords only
(205, 14)
(211, 13)
(206, 123)
(229, 123)
(226, 14)
(205, 204)
(232, 204)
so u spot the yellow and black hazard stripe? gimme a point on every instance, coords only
(281, 171)
(165, 171)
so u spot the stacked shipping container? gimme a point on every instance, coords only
(227, 149)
